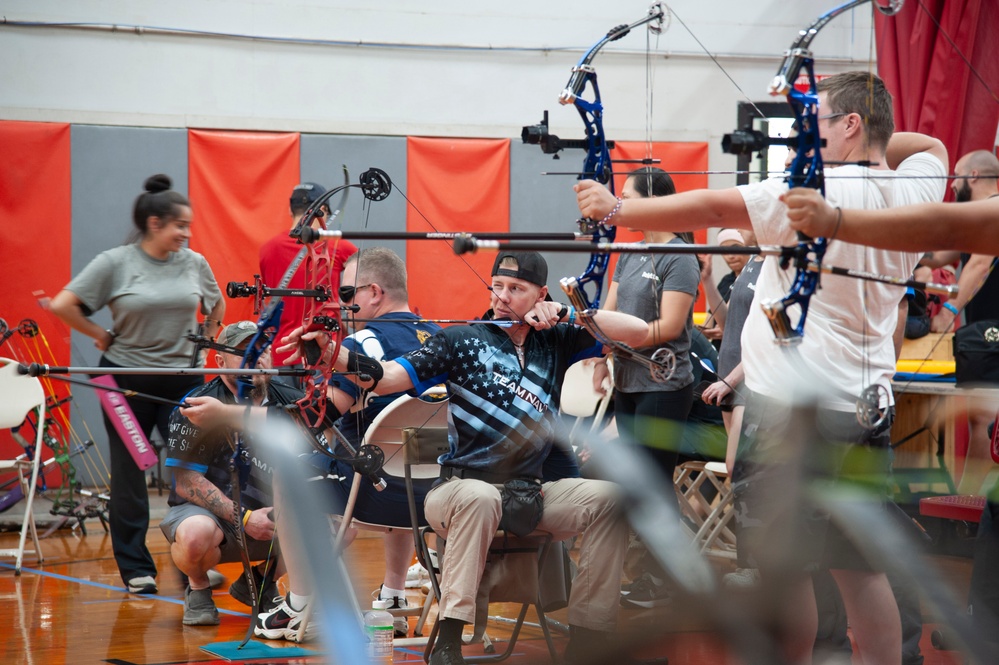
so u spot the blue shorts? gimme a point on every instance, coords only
(390, 507)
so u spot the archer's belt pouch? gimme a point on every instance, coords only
(523, 504)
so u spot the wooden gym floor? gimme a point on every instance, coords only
(73, 609)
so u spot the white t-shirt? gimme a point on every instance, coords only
(847, 344)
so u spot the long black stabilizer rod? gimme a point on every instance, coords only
(467, 244)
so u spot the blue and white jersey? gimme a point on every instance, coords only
(502, 418)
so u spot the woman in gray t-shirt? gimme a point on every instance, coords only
(659, 288)
(155, 289)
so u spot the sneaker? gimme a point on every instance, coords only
(215, 578)
(637, 583)
(199, 608)
(145, 584)
(447, 654)
(271, 597)
(646, 594)
(400, 624)
(416, 576)
(742, 578)
(282, 623)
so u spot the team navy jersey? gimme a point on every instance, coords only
(209, 452)
(381, 340)
(502, 419)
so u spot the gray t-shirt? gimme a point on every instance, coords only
(741, 299)
(641, 280)
(154, 303)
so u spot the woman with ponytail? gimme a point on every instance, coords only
(154, 287)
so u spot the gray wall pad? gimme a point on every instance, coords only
(109, 165)
(540, 203)
(322, 158)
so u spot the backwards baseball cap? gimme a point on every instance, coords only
(306, 193)
(235, 334)
(531, 267)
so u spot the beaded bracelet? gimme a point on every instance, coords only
(614, 211)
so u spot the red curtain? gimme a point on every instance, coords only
(458, 185)
(36, 241)
(936, 92)
(239, 185)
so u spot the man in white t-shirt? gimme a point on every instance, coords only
(848, 338)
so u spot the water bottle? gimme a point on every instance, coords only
(379, 630)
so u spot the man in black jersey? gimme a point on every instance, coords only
(201, 524)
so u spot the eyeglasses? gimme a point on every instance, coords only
(347, 292)
(831, 116)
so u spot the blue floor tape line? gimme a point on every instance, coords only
(99, 585)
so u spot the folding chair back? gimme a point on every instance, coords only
(19, 395)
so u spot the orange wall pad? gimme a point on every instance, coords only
(457, 185)
(239, 185)
(35, 246)
(672, 157)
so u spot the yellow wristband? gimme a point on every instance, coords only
(246, 516)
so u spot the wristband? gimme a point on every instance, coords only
(246, 516)
(950, 308)
(563, 309)
(572, 315)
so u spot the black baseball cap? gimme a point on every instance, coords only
(306, 193)
(531, 267)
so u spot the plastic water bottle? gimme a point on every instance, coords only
(379, 630)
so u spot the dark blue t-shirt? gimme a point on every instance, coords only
(502, 418)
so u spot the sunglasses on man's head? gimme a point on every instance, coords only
(347, 292)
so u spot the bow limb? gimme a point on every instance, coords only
(597, 162)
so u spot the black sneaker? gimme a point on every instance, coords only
(271, 597)
(448, 654)
(637, 583)
(646, 594)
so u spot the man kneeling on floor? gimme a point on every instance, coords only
(202, 524)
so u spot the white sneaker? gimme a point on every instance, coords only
(399, 624)
(145, 584)
(416, 576)
(742, 578)
(282, 623)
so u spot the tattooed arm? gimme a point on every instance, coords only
(195, 488)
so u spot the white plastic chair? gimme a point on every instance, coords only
(580, 400)
(388, 431)
(19, 395)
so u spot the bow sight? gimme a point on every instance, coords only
(747, 141)
(550, 144)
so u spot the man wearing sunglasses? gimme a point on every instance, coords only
(374, 281)
(278, 253)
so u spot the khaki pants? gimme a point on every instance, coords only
(467, 512)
